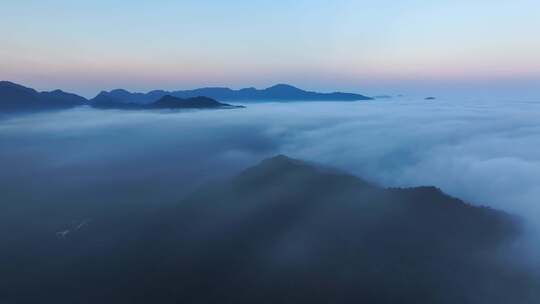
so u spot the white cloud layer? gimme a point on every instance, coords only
(483, 152)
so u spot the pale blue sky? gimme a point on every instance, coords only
(409, 46)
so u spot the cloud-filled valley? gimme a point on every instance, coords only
(481, 152)
(113, 168)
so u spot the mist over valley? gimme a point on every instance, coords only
(90, 187)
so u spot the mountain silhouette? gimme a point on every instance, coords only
(17, 98)
(283, 231)
(171, 102)
(165, 102)
(280, 92)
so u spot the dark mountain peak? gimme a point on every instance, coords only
(281, 158)
(5, 85)
(270, 170)
(101, 97)
(284, 162)
(199, 102)
(5, 82)
(120, 91)
(174, 98)
(63, 94)
(283, 87)
(279, 161)
(169, 101)
(212, 89)
(283, 172)
(157, 92)
(124, 94)
(154, 100)
(60, 97)
(18, 98)
(250, 89)
(281, 169)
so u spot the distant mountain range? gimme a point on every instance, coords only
(280, 92)
(283, 231)
(16, 98)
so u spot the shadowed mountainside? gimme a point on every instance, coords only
(283, 231)
(165, 102)
(280, 92)
(17, 98)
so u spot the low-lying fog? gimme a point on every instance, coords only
(484, 152)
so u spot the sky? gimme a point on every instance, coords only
(416, 47)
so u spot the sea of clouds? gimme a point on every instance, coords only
(84, 165)
(485, 152)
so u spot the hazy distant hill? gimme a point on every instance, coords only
(283, 231)
(280, 92)
(16, 98)
(165, 102)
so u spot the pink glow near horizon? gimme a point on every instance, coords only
(358, 46)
